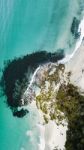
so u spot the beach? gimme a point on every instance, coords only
(55, 136)
(27, 28)
(76, 66)
(52, 131)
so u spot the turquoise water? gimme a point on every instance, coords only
(13, 130)
(27, 26)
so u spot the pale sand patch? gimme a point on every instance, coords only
(76, 66)
(55, 136)
(51, 135)
(52, 131)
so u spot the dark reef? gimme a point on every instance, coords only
(20, 113)
(16, 76)
(74, 28)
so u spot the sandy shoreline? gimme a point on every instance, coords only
(56, 135)
(51, 135)
(76, 66)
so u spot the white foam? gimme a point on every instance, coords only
(67, 57)
(42, 143)
(78, 44)
(29, 88)
(32, 80)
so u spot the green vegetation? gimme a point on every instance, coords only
(67, 103)
(46, 100)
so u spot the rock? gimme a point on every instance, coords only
(21, 113)
(74, 28)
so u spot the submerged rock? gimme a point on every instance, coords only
(17, 75)
(20, 113)
(74, 28)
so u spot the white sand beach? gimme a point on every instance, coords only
(76, 66)
(52, 135)
(55, 136)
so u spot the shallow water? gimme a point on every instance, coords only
(27, 26)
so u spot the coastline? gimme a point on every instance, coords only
(27, 29)
(67, 58)
(73, 63)
(51, 134)
(76, 66)
(48, 137)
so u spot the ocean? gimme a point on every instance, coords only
(28, 26)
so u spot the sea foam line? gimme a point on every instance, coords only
(32, 80)
(78, 44)
(29, 88)
(66, 59)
